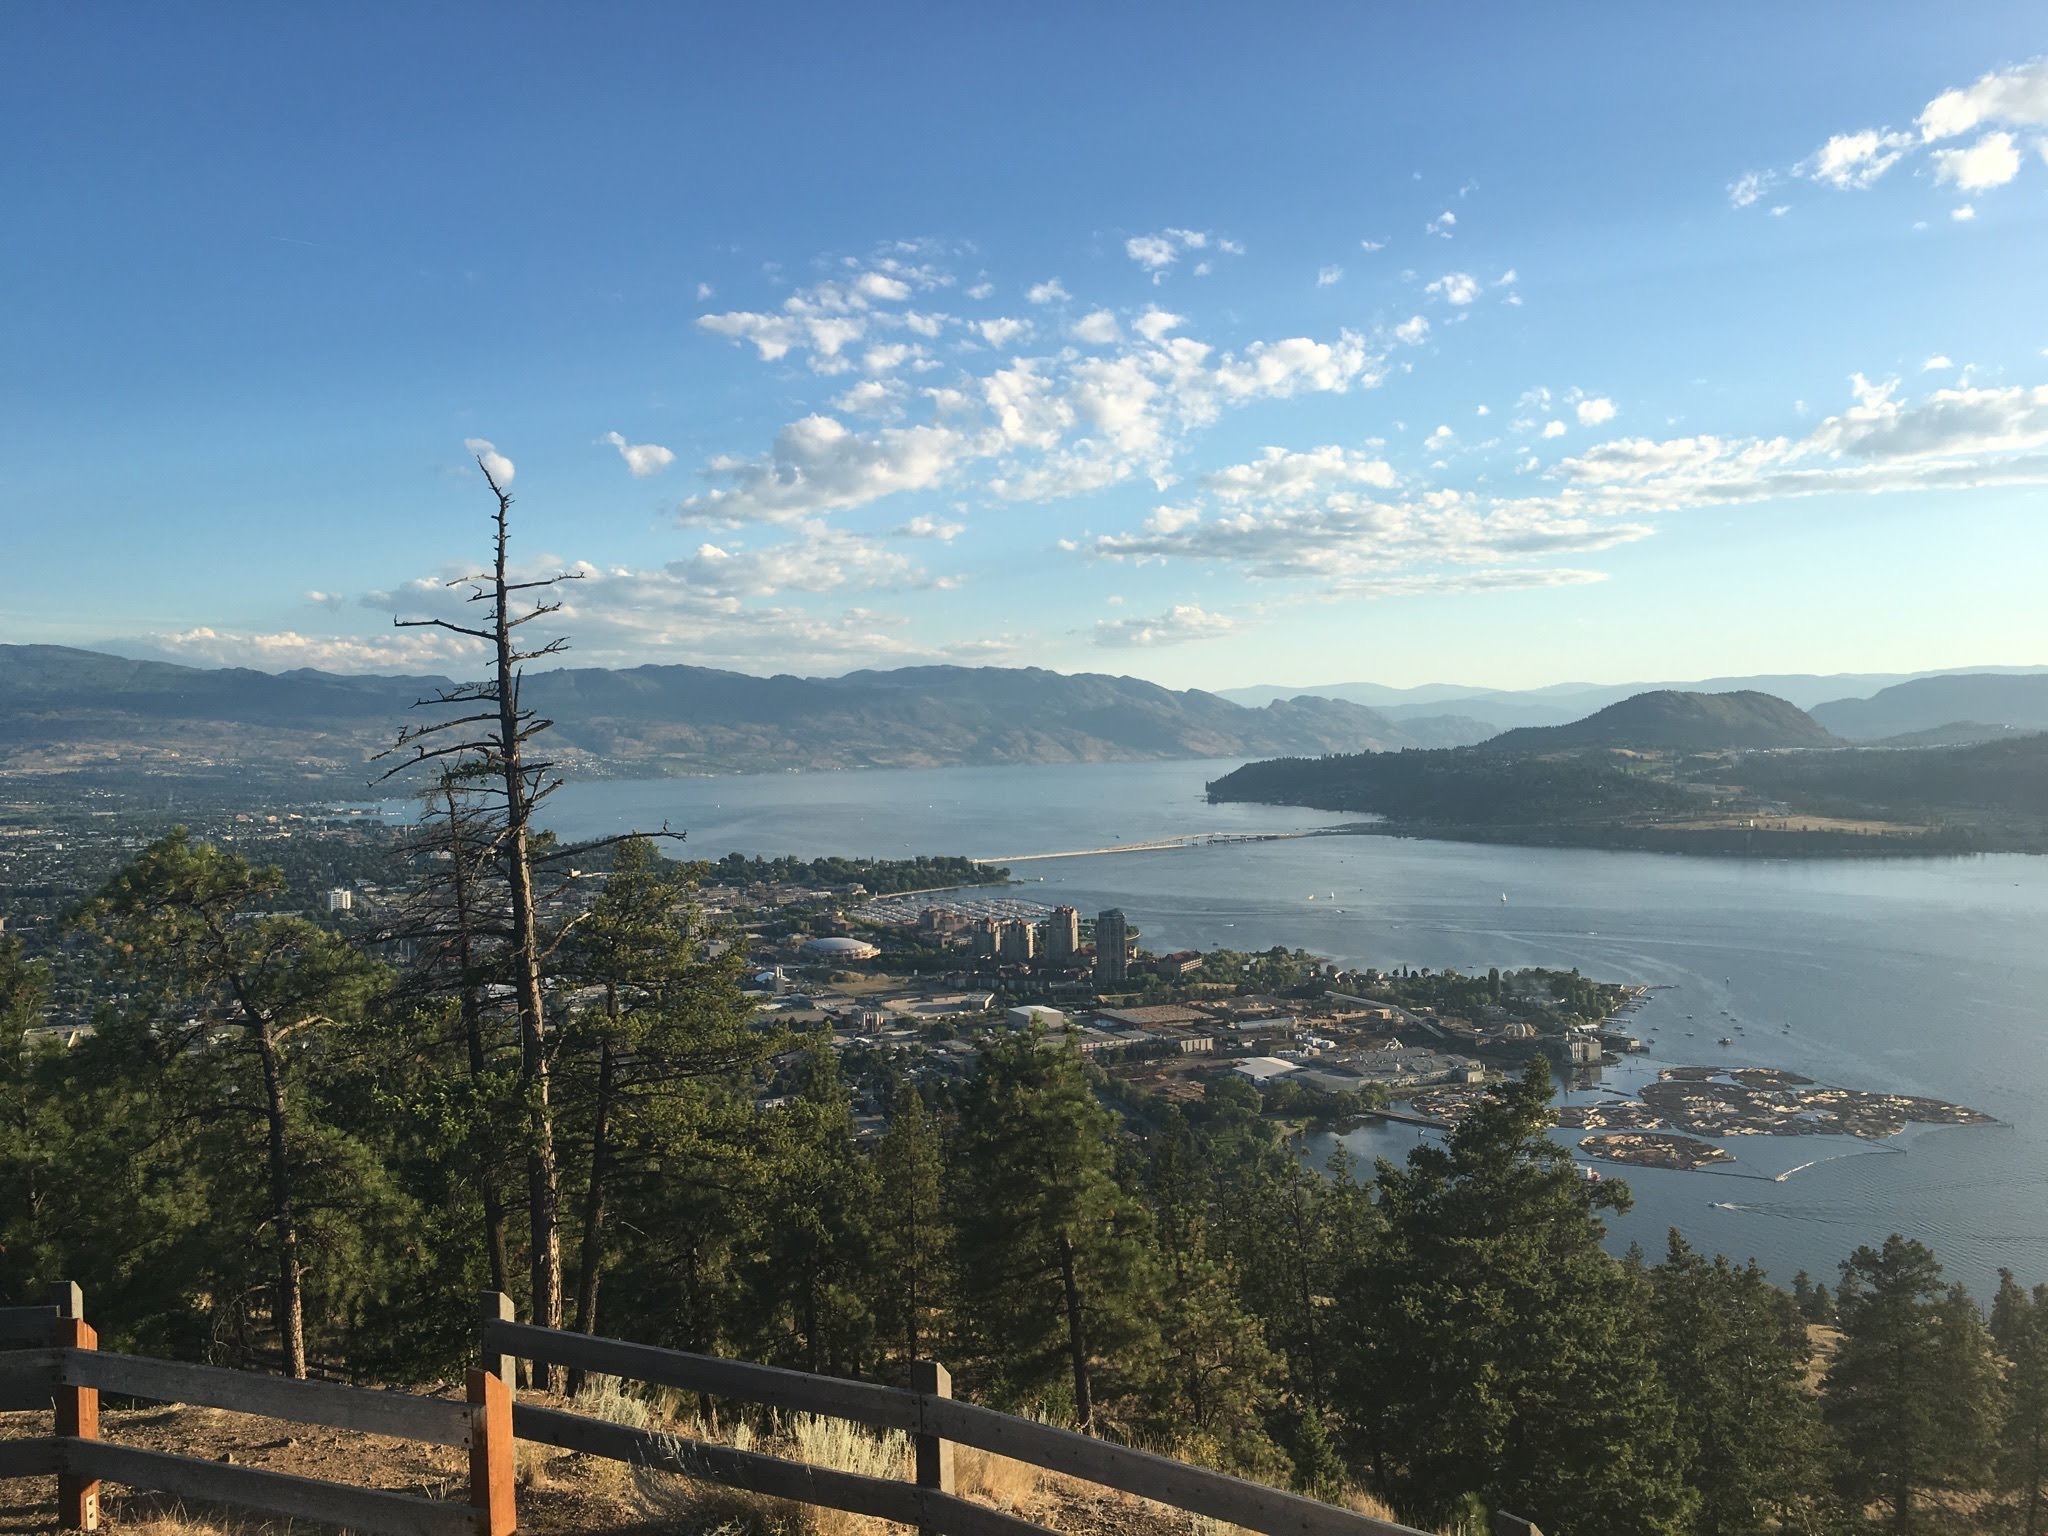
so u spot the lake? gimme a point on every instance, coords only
(1914, 976)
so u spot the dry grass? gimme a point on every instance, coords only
(721, 1510)
(991, 1479)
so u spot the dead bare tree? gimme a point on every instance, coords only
(485, 740)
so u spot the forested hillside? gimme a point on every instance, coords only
(1666, 720)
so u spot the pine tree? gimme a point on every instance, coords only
(668, 1013)
(2019, 1326)
(1732, 1349)
(1054, 1259)
(225, 1003)
(912, 1239)
(1912, 1392)
(1494, 1349)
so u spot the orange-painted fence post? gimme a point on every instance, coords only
(490, 1454)
(78, 1412)
(491, 1459)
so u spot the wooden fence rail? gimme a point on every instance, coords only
(934, 1417)
(62, 1368)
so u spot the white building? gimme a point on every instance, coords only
(1035, 1013)
(341, 899)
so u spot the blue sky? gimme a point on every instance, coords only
(1404, 343)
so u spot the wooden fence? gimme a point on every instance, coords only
(63, 1369)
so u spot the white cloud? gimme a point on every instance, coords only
(1327, 276)
(1455, 288)
(642, 459)
(1553, 429)
(1412, 330)
(1281, 475)
(1749, 187)
(328, 600)
(1372, 245)
(1991, 162)
(1484, 410)
(817, 465)
(1963, 213)
(1155, 323)
(1936, 363)
(1098, 328)
(495, 464)
(981, 290)
(1298, 365)
(1592, 412)
(922, 527)
(870, 397)
(412, 650)
(1178, 625)
(1442, 224)
(1439, 440)
(1002, 331)
(2018, 95)
(1855, 160)
(703, 292)
(1157, 253)
(1047, 292)
(881, 287)
(820, 559)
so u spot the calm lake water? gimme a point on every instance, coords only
(1916, 976)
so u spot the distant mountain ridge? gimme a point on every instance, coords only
(59, 705)
(1562, 703)
(1930, 703)
(1667, 720)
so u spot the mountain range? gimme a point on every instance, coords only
(1562, 703)
(61, 707)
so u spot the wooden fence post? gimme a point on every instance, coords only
(78, 1412)
(496, 1307)
(934, 1460)
(1505, 1524)
(491, 1467)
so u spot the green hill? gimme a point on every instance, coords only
(1668, 721)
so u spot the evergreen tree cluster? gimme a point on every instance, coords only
(275, 1140)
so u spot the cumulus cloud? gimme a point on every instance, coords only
(1412, 330)
(1047, 292)
(930, 528)
(1997, 102)
(1553, 429)
(1372, 245)
(1936, 363)
(1098, 328)
(1595, 410)
(495, 464)
(1000, 332)
(1963, 213)
(1329, 276)
(2018, 96)
(1280, 474)
(1442, 224)
(1158, 253)
(817, 465)
(642, 459)
(1176, 626)
(1991, 162)
(1852, 161)
(1156, 323)
(1455, 288)
(283, 650)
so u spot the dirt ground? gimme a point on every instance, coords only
(560, 1492)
